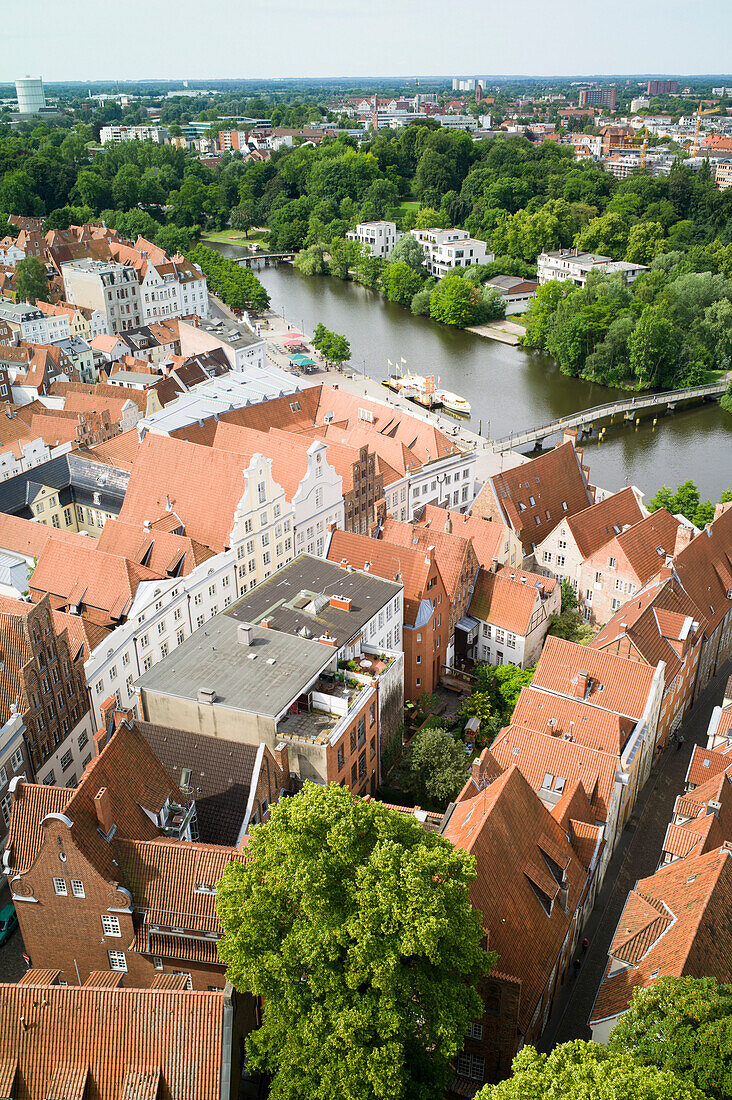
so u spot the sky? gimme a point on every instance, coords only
(219, 39)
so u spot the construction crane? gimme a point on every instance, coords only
(694, 148)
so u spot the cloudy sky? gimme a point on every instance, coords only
(217, 39)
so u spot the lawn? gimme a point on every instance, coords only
(235, 236)
(408, 206)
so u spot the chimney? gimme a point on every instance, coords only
(448, 525)
(266, 623)
(146, 526)
(430, 555)
(103, 806)
(282, 756)
(582, 684)
(684, 536)
(564, 897)
(341, 603)
(328, 639)
(244, 634)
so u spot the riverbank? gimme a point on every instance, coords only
(488, 463)
(506, 332)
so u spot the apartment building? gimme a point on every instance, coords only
(511, 612)
(379, 237)
(311, 658)
(569, 264)
(535, 497)
(619, 568)
(111, 288)
(32, 325)
(115, 135)
(426, 627)
(563, 551)
(81, 355)
(173, 288)
(68, 493)
(243, 348)
(448, 249)
(598, 97)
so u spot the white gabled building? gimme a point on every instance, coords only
(176, 288)
(33, 326)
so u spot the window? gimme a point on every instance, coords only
(59, 885)
(125, 658)
(16, 760)
(82, 740)
(144, 640)
(548, 781)
(472, 1066)
(474, 1031)
(77, 888)
(5, 804)
(50, 779)
(598, 578)
(110, 926)
(560, 559)
(161, 627)
(147, 664)
(180, 635)
(117, 960)
(157, 962)
(177, 613)
(66, 761)
(611, 563)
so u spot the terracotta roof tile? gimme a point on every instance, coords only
(160, 551)
(490, 540)
(703, 567)
(453, 553)
(385, 560)
(616, 684)
(704, 764)
(125, 1044)
(600, 523)
(690, 935)
(31, 803)
(26, 536)
(553, 480)
(502, 599)
(515, 841)
(559, 716)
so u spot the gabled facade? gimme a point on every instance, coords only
(513, 609)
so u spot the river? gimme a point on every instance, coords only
(509, 388)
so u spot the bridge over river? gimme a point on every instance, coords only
(628, 409)
(259, 260)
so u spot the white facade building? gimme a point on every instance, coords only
(106, 286)
(448, 249)
(570, 264)
(448, 483)
(175, 289)
(33, 326)
(32, 453)
(115, 135)
(31, 97)
(317, 502)
(378, 237)
(242, 347)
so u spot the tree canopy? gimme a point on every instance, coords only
(435, 769)
(683, 1025)
(355, 927)
(586, 1071)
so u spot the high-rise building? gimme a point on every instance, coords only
(662, 87)
(598, 97)
(31, 99)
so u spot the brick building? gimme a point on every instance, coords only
(535, 884)
(99, 876)
(619, 568)
(426, 628)
(43, 688)
(533, 498)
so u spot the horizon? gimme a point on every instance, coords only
(390, 36)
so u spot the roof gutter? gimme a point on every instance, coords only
(252, 793)
(227, 1041)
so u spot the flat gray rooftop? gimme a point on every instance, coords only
(297, 598)
(261, 678)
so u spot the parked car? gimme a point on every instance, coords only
(8, 923)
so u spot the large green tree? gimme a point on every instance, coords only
(30, 280)
(435, 769)
(400, 282)
(354, 926)
(586, 1071)
(683, 1025)
(453, 302)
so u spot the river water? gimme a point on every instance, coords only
(509, 388)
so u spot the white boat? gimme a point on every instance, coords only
(453, 402)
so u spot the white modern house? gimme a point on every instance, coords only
(448, 249)
(379, 237)
(569, 264)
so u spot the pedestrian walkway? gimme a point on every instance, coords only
(636, 856)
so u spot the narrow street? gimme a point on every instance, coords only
(636, 857)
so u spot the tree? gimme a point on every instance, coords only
(355, 928)
(453, 302)
(568, 624)
(683, 1025)
(410, 251)
(653, 348)
(332, 346)
(726, 399)
(540, 313)
(243, 216)
(645, 241)
(477, 705)
(310, 261)
(400, 283)
(31, 281)
(421, 302)
(607, 235)
(503, 684)
(435, 769)
(586, 1071)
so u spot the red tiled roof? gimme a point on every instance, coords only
(705, 569)
(387, 561)
(704, 764)
(596, 525)
(502, 598)
(125, 1044)
(160, 551)
(553, 480)
(675, 923)
(647, 544)
(490, 540)
(516, 842)
(572, 718)
(452, 552)
(616, 684)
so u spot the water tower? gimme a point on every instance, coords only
(31, 99)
